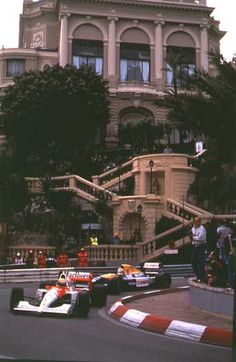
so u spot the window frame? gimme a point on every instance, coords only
(139, 56)
(89, 50)
(12, 74)
(184, 68)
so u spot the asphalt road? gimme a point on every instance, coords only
(95, 339)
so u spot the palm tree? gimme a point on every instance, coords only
(208, 106)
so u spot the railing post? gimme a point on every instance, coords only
(72, 182)
(139, 251)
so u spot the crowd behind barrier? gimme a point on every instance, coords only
(213, 252)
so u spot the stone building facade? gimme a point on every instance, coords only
(130, 43)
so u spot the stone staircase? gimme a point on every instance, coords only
(100, 188)
(83, 188)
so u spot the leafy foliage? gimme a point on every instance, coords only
(13, 189)
(56, 115)
(209, 108)
(164, 224)
(140, 135)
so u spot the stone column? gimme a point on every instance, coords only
(204, 47)
(63, 47)
(158, 52)
(112, 47)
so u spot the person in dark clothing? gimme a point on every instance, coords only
(216, 270)
(211, 235)
(30, 259)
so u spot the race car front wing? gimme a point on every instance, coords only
(25, 306)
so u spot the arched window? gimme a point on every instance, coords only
(88, 52)
(180, 58)
(134, 62)
(134, 56)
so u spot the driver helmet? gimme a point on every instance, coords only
(61, 282)
(120, 271)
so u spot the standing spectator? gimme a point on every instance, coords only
(228, 257)
(211, 226)
(115, 239)
(62, 260)
(82, 258)
(30, 259)
(223, 232)
(51, 263)
(93, 240)
(167, 149)
(19, 260)
(42, 260)
(198, 237)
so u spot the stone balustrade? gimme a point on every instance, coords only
(113, 252)
(24, 250)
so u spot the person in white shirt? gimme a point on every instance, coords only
(198, 238)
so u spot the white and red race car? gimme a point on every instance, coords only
(71, 295)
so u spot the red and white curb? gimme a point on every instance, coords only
(167, 327)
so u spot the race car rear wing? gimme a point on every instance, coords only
(152, 268)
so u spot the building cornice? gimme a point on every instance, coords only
(26, 52)
(153, 4)
(37, 8)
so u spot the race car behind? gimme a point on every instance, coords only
(149, 275)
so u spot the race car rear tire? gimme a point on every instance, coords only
(167, 280)
(114, 286)
(99, 296)
(163, 281)
(17, 294)
(82, 305)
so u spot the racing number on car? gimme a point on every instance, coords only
(142, 282)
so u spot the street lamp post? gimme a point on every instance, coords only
(151, 165)
(139, 211)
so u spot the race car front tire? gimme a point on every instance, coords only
(82, 305)
(99, 296)
(17, 294)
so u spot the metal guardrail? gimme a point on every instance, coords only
(8, 275)
(179, 270)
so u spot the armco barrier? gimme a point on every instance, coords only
(32, 275)
(9, 275)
